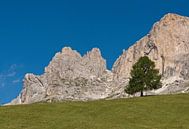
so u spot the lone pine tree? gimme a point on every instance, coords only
(144, 77)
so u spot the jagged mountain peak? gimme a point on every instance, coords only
(167, 44)
(170, 21)
(96, 50)
(94, 53)
(66, 49)
(70, 76)
(171, 16)
(70, 52)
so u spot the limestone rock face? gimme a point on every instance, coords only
(167, 45)
(70, 76)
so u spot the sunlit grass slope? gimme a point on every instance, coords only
(153, 112)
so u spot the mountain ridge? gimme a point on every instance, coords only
(70, 76)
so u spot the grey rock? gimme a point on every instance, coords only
(167, 44)
(70, 76)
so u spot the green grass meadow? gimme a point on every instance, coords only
(152, 112)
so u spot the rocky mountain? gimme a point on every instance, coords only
(167, 45)
(70, 76)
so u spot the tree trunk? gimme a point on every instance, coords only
(141, 93)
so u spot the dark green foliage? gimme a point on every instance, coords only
(144, 76)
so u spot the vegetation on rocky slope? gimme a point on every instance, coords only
(144, 76)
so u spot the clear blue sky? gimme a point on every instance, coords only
(32, 31)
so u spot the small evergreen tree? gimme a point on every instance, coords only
(144, 76)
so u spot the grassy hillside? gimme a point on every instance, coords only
(155, 112)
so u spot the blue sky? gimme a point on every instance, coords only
(32, 31)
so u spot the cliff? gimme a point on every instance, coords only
(70, 76)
